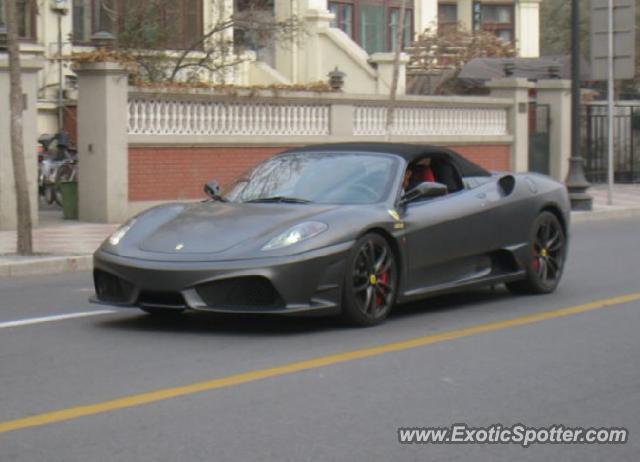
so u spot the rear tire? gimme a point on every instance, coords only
(370, 283)
(547, 257)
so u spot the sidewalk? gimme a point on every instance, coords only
(60, 245)
(626, 202)
(66, 245)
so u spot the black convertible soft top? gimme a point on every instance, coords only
(409, 152)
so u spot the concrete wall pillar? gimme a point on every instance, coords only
(341, 123)
(102, 143)
(30, 68)
(557, 94)
(517, 90)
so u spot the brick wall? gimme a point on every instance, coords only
(157, 174)
(70, 123)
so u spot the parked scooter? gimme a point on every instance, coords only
(55, 166)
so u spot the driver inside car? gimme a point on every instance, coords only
(417, 173)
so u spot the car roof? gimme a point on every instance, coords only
(409, 152)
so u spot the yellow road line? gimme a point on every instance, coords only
(251, 376)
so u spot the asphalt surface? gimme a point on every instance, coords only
(578, 370)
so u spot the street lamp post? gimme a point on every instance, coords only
(60, 7)
(576, 182)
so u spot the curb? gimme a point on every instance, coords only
(46, 265)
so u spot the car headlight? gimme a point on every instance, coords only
(119, 233)
(295, 234)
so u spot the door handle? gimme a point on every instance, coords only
(481, 195)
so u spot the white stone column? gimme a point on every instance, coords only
(465, 14)
(527, 18)
(557, 94)
(30, 68)
(425, 15)
(103, 177)
(516, 89)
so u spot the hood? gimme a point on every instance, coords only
(215, 227)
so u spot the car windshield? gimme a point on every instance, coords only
(324, 178)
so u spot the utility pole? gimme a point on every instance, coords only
(576, 182)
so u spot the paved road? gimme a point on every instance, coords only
(576, 369)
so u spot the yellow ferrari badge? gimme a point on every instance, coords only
(394, 214)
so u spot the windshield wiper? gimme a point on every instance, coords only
(286, 199)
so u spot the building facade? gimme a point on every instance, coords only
(356, 36)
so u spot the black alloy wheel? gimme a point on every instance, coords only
(371, 281)
(548, 255)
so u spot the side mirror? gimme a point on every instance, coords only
(424, 190)
(212, 189)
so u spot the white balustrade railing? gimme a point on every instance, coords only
(431, 121)
(167, 116)
(177, 115)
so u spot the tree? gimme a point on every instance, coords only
(146, 38)
(448, 51)
(23, 205)
(396, 69)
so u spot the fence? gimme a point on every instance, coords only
(626, 134)
(312, 115)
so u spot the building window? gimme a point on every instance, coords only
(141, 24)
(499, 20)
(343, 19)
(394, 20)
(26, 15)
(372, 24)
(447, 17)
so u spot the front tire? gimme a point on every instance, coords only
(370, 283)
(548, 254)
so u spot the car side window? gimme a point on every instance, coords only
(446, 173)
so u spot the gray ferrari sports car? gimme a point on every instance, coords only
(348, 229)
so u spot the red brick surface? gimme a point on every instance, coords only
(492, 157)
(70, 123)
(179, 173)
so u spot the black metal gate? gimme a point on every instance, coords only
(539, 149)
(626, 153)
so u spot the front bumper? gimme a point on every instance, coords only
(308, 282)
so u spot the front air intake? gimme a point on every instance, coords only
(111, 288)
(247, 292)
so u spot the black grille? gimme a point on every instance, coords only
(161, 299)
(245, 292)
(110, 288)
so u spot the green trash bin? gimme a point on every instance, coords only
(69, 190)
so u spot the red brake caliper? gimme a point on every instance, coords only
(536, 261)
(384, 278)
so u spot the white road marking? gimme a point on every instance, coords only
(84, 289)
(56, 317)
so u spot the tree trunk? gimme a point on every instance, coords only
(23, 206)
(396, 71)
